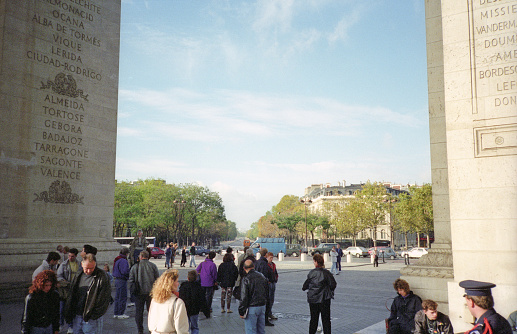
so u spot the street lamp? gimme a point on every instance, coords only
(306, 201)
(179, 205)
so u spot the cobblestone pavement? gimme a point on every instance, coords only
(361, 297)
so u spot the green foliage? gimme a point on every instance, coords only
(177, 212)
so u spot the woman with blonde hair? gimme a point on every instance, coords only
(167, 313)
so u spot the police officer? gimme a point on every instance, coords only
(480, 303)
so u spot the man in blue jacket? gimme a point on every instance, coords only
(207, 271)
(121, 275)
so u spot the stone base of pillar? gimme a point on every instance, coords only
(429, 276)
(20, 257)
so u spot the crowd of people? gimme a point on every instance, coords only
(77, 293)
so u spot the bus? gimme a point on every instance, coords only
(125, 241)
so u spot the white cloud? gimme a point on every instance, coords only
(340, 32)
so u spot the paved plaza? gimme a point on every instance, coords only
(361, 297)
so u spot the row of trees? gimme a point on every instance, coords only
(346, 216)
(173, 213)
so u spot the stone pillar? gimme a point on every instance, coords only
(58, 120)
(472, 59)
(428, 277)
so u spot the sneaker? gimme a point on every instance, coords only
(319, 329)
(269, 324)
(229, 311)
(222, 310)
(273, 317)
(130, 304)
(115, 317)
(123, 316)
(70, 331)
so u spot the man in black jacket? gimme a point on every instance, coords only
(254, 295)
(89, 297)
(262, 267)
(193, 296)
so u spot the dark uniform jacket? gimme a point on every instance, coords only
(97, 300)
(41, 310)
(403, 311)
(498, 324)
(254, 291)
(321, 285)
(262, 267)
(193, 296)
(443, 324)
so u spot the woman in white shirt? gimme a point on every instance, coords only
(167, 313)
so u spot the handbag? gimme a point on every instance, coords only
(237, 292)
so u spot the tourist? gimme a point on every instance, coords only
(272, 285)
(193, 295)
(41, 312)
(89, 298)
(141, 279)
(183, 256)
(207, 271)
(51, 263)
(138, 244)
(193, 255)
(333, 258)
(254, 296)
(403, 309)
(121, 274)
(429, 320)
(65, 274)
(227, 274)
(339, 256)
(478, 296)
(167, 313)
(168, 252)
(320, 286)
(262, 267)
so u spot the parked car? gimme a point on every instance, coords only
(200, 250)
(219, 249)
(356, 251)
(389, 253)
(156, 252)
(293, 250)
(323, 248)
(415, 252)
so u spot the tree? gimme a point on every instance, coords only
(371, 198)
(128, 208)
(422, 200)
(404, 216)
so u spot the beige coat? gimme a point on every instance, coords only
(169, 317)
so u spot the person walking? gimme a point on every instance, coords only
(65, 274)
(168, 252)
(320, 286)
(339, 256)
(183, 256)
(254, 296)
(193, 255)
(138, 244)
(167, 313)
(333, 258)
(89, 298)
(262, 267)
(375, 257)
(121, 275)
(141, 279)
(207, 271)
(227, 274)
(174, 248)
(41, 311)
(193, 295)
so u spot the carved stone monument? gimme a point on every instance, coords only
(58, 121)
(472, 69)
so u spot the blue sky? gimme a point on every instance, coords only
(259, 99)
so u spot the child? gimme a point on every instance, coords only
(194, 298)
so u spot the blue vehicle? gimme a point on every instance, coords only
(273, 245)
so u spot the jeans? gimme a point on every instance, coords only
(42, 330)
(339, 263)
(81, 327)
(226, 295)
(192, 261)
(209, 295)
(140, 302)
(192, 324)
(333, 270)
(120, 296)
(255, 322)
(272, 288)
(316, 309)
(167, 262)
(376, 261)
